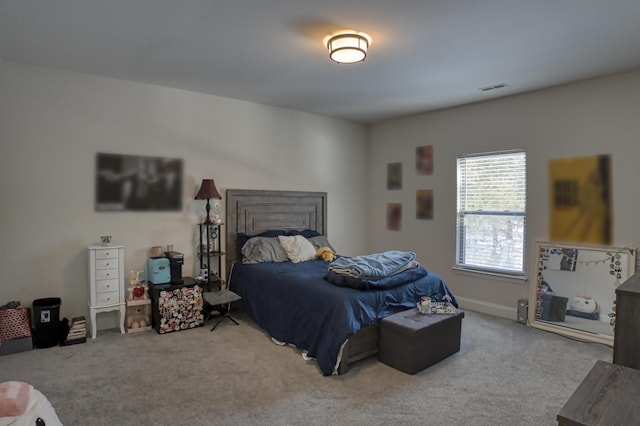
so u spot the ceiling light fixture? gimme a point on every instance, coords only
(348, 47)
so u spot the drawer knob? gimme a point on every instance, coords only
(107, 264)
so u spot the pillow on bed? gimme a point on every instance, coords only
(243, 238)
(321, 241)
(263, 249)
(298, 248)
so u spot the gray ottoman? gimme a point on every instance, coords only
(411, 341)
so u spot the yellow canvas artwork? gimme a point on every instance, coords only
(580, 190)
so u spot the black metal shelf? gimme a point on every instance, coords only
(210, 241)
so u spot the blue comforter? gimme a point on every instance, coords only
(404, 277)
(295, 304)
(373, 266)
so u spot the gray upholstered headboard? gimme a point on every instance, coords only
(254, 211)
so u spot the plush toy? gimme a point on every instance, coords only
(584, 304)
(137, 319)
(137, 287)
(326, 254)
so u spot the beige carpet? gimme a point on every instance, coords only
(505, 374)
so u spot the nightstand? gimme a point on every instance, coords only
(209, 252)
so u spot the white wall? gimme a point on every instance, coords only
(53, 123)
(599, 116)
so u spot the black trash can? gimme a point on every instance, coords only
(46, 321)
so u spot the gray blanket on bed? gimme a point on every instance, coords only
(374, 266)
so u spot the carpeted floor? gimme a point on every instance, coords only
(505, 374)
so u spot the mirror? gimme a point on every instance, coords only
(573, 288)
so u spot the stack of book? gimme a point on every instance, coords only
(77, 331)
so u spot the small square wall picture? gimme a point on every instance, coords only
(394, 216)
(424, 160)
(394, 176)
(424, 204)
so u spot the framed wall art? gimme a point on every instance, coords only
(424, 204)
(394, 176)
(580, 191)
(394, 216)
(138, 183)
(424, 160)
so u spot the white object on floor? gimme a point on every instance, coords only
(38, 407)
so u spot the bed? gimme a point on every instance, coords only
(293, 302)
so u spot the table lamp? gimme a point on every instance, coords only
(208, 190)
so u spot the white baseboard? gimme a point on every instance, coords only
(488, 308)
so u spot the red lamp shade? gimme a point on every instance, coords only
(207, 190)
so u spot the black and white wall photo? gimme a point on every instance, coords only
(138, 183)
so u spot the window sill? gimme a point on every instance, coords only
(520, 279)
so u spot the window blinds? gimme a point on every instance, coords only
(491, 211)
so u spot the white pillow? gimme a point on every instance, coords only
(298, 248)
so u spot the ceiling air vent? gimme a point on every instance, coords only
(493, 87)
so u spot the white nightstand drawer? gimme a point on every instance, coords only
(107, 254)
(107, 263)
(105, 286)
(110, 298)
(106, 274)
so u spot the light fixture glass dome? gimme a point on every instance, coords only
(348, 47)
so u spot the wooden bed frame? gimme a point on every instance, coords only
(254, 211)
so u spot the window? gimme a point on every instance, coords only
(491, 214)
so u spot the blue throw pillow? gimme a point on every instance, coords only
(307, 233)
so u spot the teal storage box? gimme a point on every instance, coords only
(158, 270)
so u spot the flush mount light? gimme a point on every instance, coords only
(348, 47)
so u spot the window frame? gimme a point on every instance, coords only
(460, 260)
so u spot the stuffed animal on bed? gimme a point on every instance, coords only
(326, 254)
(584, 304)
